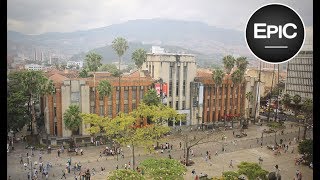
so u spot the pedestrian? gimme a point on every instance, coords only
(170, 156)
(63, 175)
(193, 172)
(260, 160)
(117, 167)
(261, 144)
(81, 152)
(171, 146)
(257, 141)
(233, 133)
(231, 165)
(21, 159)
(216, 154)
(180, 145)
(40, 156)
(58, 152)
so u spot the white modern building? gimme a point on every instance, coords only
(177, 71)
(34, 67)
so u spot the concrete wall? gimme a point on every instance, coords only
(158, 66)
(85, 106)
(65, 103)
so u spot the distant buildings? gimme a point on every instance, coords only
(34, 67)
(75, 64)
(300, 74)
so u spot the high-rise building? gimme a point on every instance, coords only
(177, 71)
(300, 74)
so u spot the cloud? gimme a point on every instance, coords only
(38, 16)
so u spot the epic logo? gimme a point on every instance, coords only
(275, 33)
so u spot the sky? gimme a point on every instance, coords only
(41, 16)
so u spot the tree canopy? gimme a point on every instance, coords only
(228, 62)
(25, 89)
(163, 168)
(306, 147)
(139, 56)
(151, 98)
(251, 170)
(120, 45)
(97, 123)
(111, 68)
(218, 76)
(72, 118)
(93, 61)
(124, 174)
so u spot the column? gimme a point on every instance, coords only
(59, 112)
(223, 105)
(122, 99)
(114, 102)
(205, 105)
(212, 103)
(50, 109)
(97, 102)
(130, 99)
(239, 99)
(228, 99)
(216, 104)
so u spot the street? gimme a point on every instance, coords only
(237, 149)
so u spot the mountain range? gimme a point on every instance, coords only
(188, 36)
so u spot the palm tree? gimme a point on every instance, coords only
(228, 62)
(242, 63)
(249, 97)
(104, 89)
(218, 78)
(139, 56)
(72, 118)
(237, 78)
(296, 100)
(120, 45)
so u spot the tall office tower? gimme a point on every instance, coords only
(300, 72)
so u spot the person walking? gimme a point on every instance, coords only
(21, 159)
(231, 165)
(180, 145)
(63, 175)
(58, 152)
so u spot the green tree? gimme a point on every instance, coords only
(307, 108)
(228, 62)
(242, 64)
(120, 45)
(296, 100)
(72, 118)
(17, 111)
(108, 68)
(249, 97)
(33, 85)
(275, 126)
(230, 175)
(151, 98)
(105, 89)
(124, 174)
(286, 100)
(139, 56)
(83, 73)
(163, 168)
(93, 61)
(252, 170)
(97, 123)
(306, 147)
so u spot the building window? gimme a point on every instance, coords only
(55, 112)
(152, 70)
(110, 111)
(219, 104)
(118, 108)
(178, 73)
(126, 108)
(117, 94)
(170, 88)
(230, 101)
(91, 94)
(92, 109)
(134, 106)
(126, 91)
(134, 92)
(54, 98)
(141, 92)
(177, 88)
(220, 91)
(183, 105)
(75, 97)
(110, 97)
(100, 98)
(177, 105)
(170, 104)
(101, 110)
(171, 72)
(184, 88)
(208, 103)
(185, 73)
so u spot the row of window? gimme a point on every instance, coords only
(299, 81)
(300, 74)
(297, 87)
(177, 105)
(300, 67)
(177, 88)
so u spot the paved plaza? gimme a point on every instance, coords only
(243, 149)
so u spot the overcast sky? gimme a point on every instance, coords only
(40, 16)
